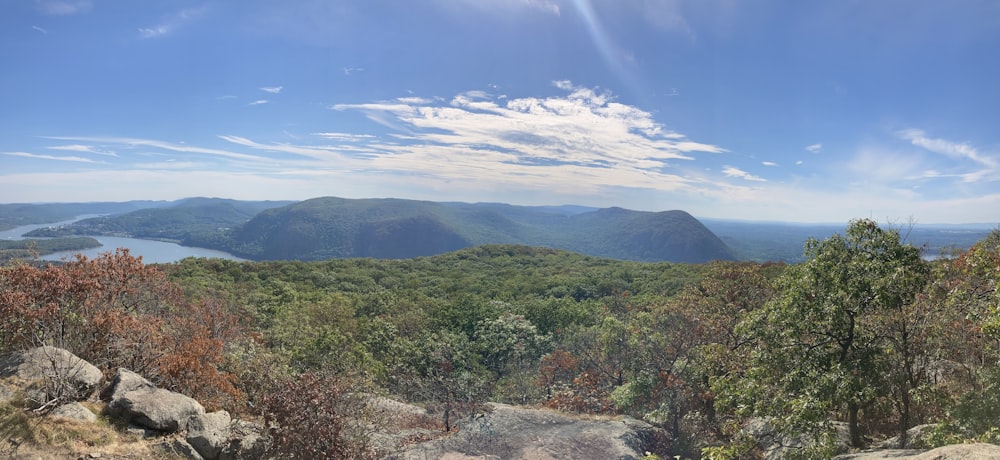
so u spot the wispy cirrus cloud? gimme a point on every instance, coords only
(958, 150)
(130, 142)
(49, 157)
(40, 30)
(271, 89)
(814, 148)
(322, 153)
(966, 162)
(350, 137)
(83, 149)
(730, 171)
(173, 22)
(259, 102)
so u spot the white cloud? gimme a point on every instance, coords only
(259, 102)
(730, 171)
(346, 136)
(84, 149)
(129, 142)
(322, 153)
(154, 31)
(951, 149)
(814, 148)
(48, 157)
(769, 163)
(548, 6)
(583, 128)
(40, 29)
(352, 70)
(271, 89)
(173, 22)
(583, 140)
(170, 165)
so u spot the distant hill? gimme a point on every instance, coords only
(192, 221)
(778, 241)
(18, 214)
(324, 228)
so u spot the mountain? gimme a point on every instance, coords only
(18, 214)
(329, 227)
(192, 221)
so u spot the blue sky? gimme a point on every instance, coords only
(763, 110)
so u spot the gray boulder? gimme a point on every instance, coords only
(156, 408)
(138, 401)
(177, 448)
(516, 432)
(776, 446)
(52, 374)
(209, 433)
(916, 438)
(74, 411)
(124, 382)
(953, 452)
(246, 443)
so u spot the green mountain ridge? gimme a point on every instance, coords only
(330, 227)
(183, 221)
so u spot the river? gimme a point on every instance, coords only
(152, 252)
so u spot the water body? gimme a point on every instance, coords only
(152, 252)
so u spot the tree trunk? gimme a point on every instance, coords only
(904, 419)
(852, 425)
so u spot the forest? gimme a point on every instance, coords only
(864, 332)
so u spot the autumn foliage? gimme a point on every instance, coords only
(114, 311)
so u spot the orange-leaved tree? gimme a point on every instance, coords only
(115, 311)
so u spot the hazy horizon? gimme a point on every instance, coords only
(774, 111)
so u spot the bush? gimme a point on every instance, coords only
(317, 417)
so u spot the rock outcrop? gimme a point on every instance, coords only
(74, 411)
(136, 400)
(514, 432)
(775, 446)
(209, 433)
(953, 452)
(408, 432)
(51, 375)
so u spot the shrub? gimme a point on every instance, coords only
(317, 417)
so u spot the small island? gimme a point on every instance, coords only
(31, 247)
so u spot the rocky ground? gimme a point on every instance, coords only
(504, 431)
(132, 419)
(952, 452)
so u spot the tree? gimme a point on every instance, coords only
(823, 344)
(442, 370)
(114, 311)
(684, 344)
(969, 289)
(508, 343)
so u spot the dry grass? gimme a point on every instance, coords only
(26, 435)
